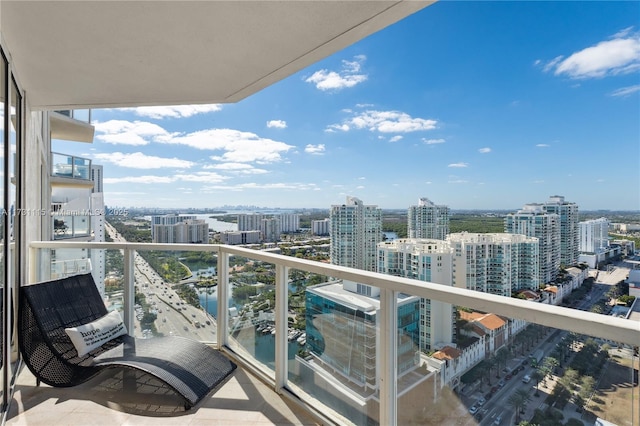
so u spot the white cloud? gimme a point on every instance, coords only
(278, 124)
(254, 185)
(138, 160)
(458, 165)
(205, 177)
(384, 122)
(128, 133)
(458, 181)
(619, 55)
(140, 179)
(542, 145)
(396, 138)
(238, 146)
(484, 150)
(315, 149)
(348, 76)
(433, 141)
(626, 91)
(333, 127)
(236, 168)
(173, 111)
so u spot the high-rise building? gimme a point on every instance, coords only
(569, 234)
(270, 229)
(342, 332)
(425, 260)
(320, 227)
(495, 263)
(289, 222)
(185, 230)
(594, 235)
(534, 221)
(250, 222)
(96, 177)
(166, 220)
(427, 220)
(355, 231)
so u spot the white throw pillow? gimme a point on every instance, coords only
(89, 336)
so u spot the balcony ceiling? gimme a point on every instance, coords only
(90, 54)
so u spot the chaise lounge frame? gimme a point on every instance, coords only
(192, 369)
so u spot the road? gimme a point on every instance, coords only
(174, 316)
(497, 407)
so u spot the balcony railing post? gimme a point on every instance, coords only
(388, 366)
(223, 296)
(129, 289)
(281, 355)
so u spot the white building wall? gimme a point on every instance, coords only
(594, 235)
(249, 222)
(428, 220)
(355, 231)
(289, 222)
(320, 227)
(270, 229)
(98, 228)
(534, 221)
(240, 237)
(426, 260)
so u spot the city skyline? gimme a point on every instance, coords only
(475, 105)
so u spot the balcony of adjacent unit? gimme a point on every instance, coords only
(71, 125)
(70, 170)
(294, 366)
(71, 219)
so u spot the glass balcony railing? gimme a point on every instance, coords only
(363, 357)
(72, 226)
(77, 114)
(69, 166)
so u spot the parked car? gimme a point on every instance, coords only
(526, 379)
(481, 401)
(473, 409)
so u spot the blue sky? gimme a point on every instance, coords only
(476, 105)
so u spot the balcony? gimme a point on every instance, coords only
(71, 226)
(281, 380)
(70, 168)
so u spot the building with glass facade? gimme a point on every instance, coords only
(428, 220)
(355, 231)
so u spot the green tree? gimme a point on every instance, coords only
(570, 379)
(518, 400)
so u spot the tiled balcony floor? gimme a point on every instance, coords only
(107, 399)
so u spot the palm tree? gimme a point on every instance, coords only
(551, 363)
(537, 376)
(491, 363)
(501, 358)
(518, 400)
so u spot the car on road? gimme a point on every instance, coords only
(526, 379)
(498, 420)
(501, 383)
(481, 401)
(473, 409)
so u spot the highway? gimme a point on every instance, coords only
(174, 316)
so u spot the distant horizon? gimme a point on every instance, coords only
(187, 210)
(475, 105)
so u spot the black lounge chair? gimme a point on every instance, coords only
(190, 368)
